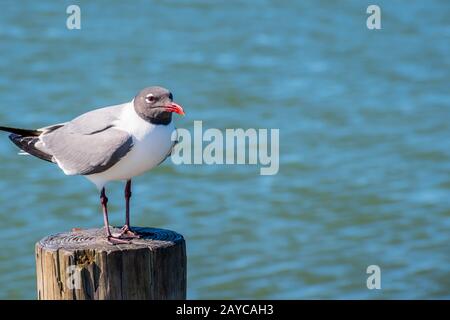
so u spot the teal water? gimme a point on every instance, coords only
(364, 139)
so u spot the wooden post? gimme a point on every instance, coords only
(81, 265)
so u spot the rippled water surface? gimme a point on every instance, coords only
(364, 139)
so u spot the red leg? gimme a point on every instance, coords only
(126, 229)
(109, 236)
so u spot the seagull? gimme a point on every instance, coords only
(114, 143)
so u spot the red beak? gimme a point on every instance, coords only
(174, 107)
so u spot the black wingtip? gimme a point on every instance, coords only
(22, 132)
(27, 144)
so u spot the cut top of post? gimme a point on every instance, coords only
(151, 238)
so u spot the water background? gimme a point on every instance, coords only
(364, 139)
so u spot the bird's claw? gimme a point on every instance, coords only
(116, 240)
(127, 233)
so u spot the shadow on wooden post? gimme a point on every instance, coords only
(81, 265)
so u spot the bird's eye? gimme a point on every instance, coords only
(150, 98)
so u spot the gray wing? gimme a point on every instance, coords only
(88, 144)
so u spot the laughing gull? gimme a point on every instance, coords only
(112, 143)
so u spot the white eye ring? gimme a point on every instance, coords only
(149, 98)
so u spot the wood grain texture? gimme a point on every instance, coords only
(82, 265)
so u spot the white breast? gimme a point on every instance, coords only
(151, 144)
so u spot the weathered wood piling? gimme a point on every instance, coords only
(82, 265)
